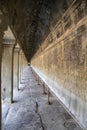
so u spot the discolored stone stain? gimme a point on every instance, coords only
(70, 125)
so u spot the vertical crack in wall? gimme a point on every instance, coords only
(7, 113)
(39, 115)
(5, 118)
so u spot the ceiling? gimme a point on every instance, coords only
(31, 20)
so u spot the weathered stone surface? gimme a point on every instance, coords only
(31, 111)
(3, 26)
(63, 63)
(22, 64)
(7, 55)
(16, 67)
(56, 32)
(33, 20)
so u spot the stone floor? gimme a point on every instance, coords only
(31, 111)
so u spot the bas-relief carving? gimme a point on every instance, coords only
(80, 9)
(72, 65)
(67, 21)
(67, 62)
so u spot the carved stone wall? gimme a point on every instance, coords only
(62, 60)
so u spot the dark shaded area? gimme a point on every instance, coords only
(32, 20)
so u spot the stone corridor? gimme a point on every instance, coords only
(30, 110)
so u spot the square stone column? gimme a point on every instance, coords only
(1, 37)
(7, 62)
(20, 65)
(3, 27)
(16, 68)
(23, 62)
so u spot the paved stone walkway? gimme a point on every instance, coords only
(30, 111)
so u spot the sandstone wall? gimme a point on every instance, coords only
(61, 61)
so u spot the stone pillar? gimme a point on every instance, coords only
(3, 26)
(7, 74)
(1, 36)
(18, 82)
(20, 66)
(49, 102)
(16, 67)
(22, 63)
